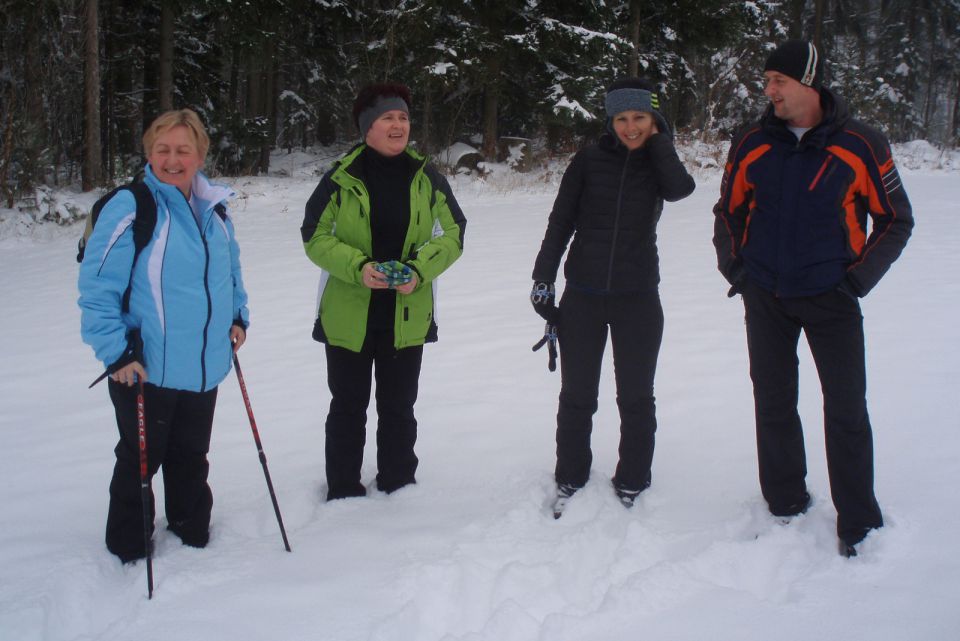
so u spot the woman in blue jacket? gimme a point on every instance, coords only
(185, 315)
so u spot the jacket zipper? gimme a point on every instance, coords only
(206, 291)
(616, 221)
(206, 325)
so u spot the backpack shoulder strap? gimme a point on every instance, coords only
(143, 224)
(92, 220)
(146, 218)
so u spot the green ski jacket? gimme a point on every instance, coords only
(337, 237)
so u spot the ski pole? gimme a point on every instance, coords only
(263, 457)
(144, 485)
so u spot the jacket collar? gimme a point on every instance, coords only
(206, 194)
(835, 116)
(348, 169)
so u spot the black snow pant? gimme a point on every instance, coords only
(178, 426)
(635, 323)
(833, 325)
(397, 375)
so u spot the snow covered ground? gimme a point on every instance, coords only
(471, 552)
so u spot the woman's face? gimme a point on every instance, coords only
(175, 158)
(633, 128)
(390, 133)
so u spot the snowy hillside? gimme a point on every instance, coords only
(471, 552)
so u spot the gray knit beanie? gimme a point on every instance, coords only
(634, 94)
(383, 104)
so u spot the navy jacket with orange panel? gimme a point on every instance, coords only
(792, 215)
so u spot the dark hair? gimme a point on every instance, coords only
(369, 95)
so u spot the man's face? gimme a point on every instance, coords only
(792, 101)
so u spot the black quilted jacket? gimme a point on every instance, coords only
(609, 202)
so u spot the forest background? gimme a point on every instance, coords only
(80, 79)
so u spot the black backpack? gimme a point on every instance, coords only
(143, 223)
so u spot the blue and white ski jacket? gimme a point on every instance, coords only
(186, 291)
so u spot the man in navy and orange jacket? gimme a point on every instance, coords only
(791, 236)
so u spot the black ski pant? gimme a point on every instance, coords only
(178, 426)
(833, 325)
(635, 323)
(397, 375)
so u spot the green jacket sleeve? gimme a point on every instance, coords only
(433, 257)
(322, 247)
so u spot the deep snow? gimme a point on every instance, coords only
(472, 552)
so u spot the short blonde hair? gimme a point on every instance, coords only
(185, 117)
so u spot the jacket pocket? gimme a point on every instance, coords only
(823, 168)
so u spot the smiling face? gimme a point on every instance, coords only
(175, 158)
(634, 128)
(390, 133)
(792, 101)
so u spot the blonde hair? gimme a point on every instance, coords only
(185, 117)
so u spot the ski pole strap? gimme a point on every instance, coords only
(550, 340)
(542, 293)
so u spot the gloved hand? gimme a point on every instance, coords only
(396, 272)
(739, 280)
(550, 340)
(543, 297)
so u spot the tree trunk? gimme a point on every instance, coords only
(166, 57)
(30, 129)
(818, 25)
(90, 169)
(5, 160)
(491, 100)
(954, 131)
(268, 108)
(426, 125)
(108, 113)
(633, 66)
(128, 112)
(150, 70)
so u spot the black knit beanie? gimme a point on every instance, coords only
(798, 59)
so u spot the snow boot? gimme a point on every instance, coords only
(793, 509)
(627, 497)
(847, 550)
(564, 492)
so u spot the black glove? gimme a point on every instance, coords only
(544, 302)
(550, 340)
(739, 280)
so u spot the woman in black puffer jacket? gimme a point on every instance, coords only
(609, 202)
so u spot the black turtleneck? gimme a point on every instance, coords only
(387, 179)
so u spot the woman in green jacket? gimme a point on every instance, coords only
(382, 225)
